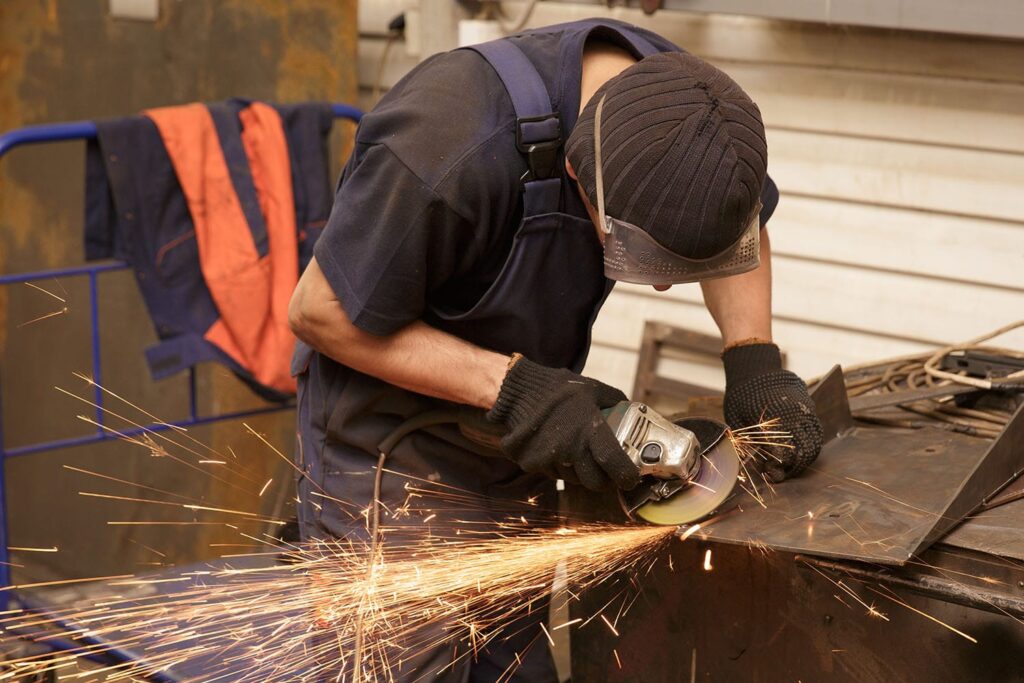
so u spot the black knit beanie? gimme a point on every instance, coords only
(683, 152)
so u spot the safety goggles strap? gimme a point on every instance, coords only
(602, 219)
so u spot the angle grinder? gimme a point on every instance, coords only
(688, 466)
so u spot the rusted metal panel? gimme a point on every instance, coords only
(895, 398)
(929, 584)
(832, 404)
(1002, 462)
(760, 616)
(763, 614)
(65, 60)
(999, 531)
(877, 493)
(873, 494)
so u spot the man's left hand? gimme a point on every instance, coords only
(757, 390)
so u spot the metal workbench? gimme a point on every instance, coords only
(836, 578)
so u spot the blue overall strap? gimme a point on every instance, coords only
(538, 127)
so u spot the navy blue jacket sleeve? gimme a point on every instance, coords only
(389, 242)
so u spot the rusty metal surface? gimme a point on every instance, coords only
(762, 617)
(879, 494)
(832, 404)
(940, 587)
(873, 494)
(895, 398)
(1001, 464)
(1015, 491)
(999, 531)
(68, 59)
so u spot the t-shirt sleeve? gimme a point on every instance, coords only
(769, 199)
(389, 241)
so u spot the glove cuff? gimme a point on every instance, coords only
(525, 379)
(742, 363)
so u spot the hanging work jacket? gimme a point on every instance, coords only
(216, 208)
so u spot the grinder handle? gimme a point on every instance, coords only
(474, 425)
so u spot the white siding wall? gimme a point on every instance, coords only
(900, 157)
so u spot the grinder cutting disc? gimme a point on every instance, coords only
(709, 489)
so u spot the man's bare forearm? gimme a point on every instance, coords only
(418, 357)
(742, 304)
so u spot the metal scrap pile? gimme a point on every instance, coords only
(969, 389)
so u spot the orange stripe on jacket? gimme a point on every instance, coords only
(242, 284)
(267, 150)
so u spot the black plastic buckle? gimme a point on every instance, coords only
(541, 155)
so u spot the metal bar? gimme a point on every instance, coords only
(108, 652)
(832, 404)
(928, 586)
(193, 412)
(108, 657)
(97, 360)
(136, 431)
(86, 130)
(896, 398)
(1002, 500)
(5, 554)
(47, 132)
(347, 111)
(62, 272)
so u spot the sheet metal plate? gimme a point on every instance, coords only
(999, 531)
(874, 494)
(877, 494)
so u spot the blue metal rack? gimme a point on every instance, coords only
(84, 130)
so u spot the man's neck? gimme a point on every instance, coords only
(601, 63)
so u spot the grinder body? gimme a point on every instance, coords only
(657, 446)
(688, 466)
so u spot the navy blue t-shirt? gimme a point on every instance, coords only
(429, 202)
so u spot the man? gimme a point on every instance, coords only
(488, 196)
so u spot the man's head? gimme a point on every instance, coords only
(683, 159)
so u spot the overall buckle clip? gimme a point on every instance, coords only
(540, 139)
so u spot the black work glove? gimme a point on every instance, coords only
(758, 389)
(555, 426)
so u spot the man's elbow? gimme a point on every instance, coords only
(320, 322)
(301, 318)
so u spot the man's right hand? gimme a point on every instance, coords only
(555, 426)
